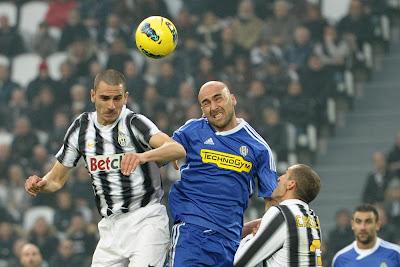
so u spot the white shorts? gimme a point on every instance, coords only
(135, 239)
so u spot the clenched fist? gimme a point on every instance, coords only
(34, 184)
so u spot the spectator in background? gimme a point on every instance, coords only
(11, 43)
(261, 55)
(113, 30)
(44, 236)
(342, 234)
(17, 107)
(7, 238)
(43, 79)
(275, 133)
(72, 30)
(43, 43)
(56, 135)
(135, 83)
(5, 158)
(30, 256)
(314, 22)
(65, 255)
(64, 210)
(256, 95)
(377, 180)
(43, 108)
(57, 14)
(64, 84)
(186, 23)
(79, 99)
(392, 201)
(388, 231)
(279, 28)
(277, 78)
(149, 8)
(7, 86)
(206, 71)
(368, 249)
(118, 55)
(80, 55)
(247, 27)
(298, 52)
(209, 31)
(16, 252)
(24, 140)
(393, 159)
(152, 102)
(16, 199)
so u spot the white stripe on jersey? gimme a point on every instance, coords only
(261, 140)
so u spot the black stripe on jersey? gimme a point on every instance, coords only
(142, 127)
(82, 133)
(74, 127)
(293, 236)
(105, 184)
(148, 185)
(317, 222)
(312, 258)
(264, 237)
(124, 179)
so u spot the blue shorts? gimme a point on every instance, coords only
(193, 245)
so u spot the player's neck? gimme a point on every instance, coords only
(368, 245)
(232, 124)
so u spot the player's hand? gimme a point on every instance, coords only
(130, 161)
(34, 184)
(256, 227)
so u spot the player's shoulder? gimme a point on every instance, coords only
(390, 246)
(343, 253)
(193, 124)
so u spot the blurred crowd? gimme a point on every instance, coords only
(295, 75)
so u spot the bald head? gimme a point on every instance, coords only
(218, 105)
(30, 256)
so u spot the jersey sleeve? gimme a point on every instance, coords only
(266, 174)
(269, 238)
(69, 154)
(143, 129)
(180, 135)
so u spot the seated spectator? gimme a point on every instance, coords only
(39, 159)
(57, 13)
(65, 255)
(17, 107)
(11, 43)
(17, 200)
(56, 136)
(261, 55)
(43, 79)
(73, 30)
(393, 158)
(135, 82)
(388, 231)
(298, 52)
(43, 109)
(392, 201)
(377, 180)
(5, 158)
(113, 30)
(314, 22)
(7, 239)
(79, 99)
(279, 28)
(277, 78)
(64, 84)
(30, 256)
(43, 43)
(24, 140)
(64, 210)
(44, 236)
(80, 55)
(209, 30)
(247, 27)
(342, 234)
(118, 55)
(7, 86)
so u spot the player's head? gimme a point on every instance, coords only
(300, 181)
(109, 95)
(365, 224)
(218, 105)
(30, 256)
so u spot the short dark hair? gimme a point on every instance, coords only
(367, 208)
(308, 182)
(111, 77)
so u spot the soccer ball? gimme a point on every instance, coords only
(156, 37)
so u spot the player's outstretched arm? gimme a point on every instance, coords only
(165, 149)
(51, 182)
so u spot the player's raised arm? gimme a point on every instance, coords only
(165, 149)
(51, 182)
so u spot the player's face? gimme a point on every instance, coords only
(30, 256)
(284, 184)
(218, 106)
(109, 100)
(365, 227)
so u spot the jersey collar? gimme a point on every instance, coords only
(241, 123)
(294, 201)
(362, 253)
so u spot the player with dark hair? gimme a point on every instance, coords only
(368, 249)
(113, 141)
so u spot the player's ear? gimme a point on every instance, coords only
(291, 184)
(126, 97)
(234, 101)
(92, 95)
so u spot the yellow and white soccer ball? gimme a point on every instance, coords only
(156, 37)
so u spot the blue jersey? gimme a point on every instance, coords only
(383, 254)
(219, 175)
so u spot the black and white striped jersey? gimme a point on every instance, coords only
(102, 148)
(289, 236)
